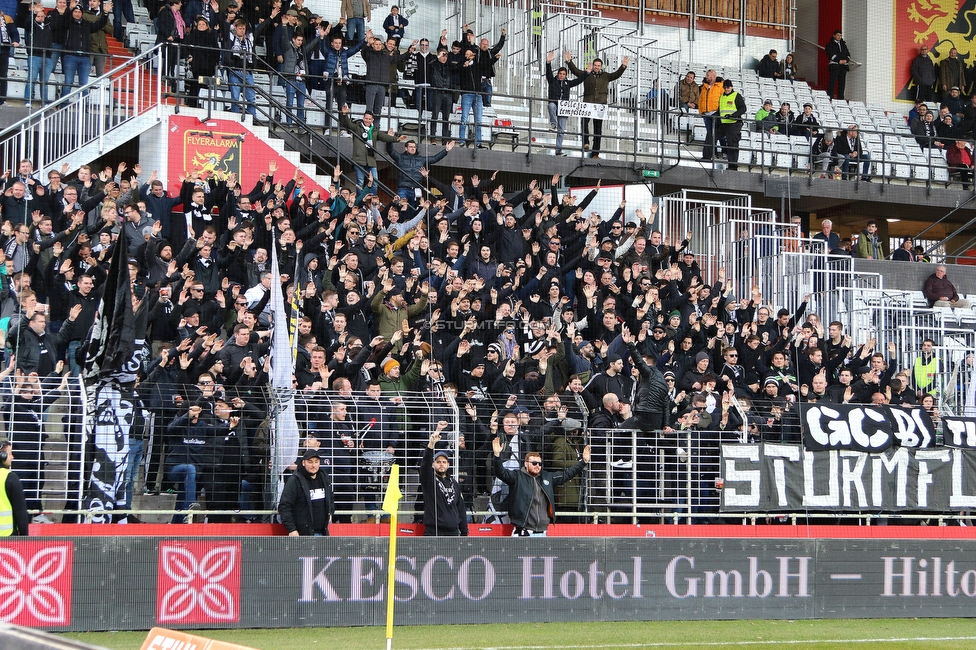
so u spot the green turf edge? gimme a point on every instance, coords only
(682, 634)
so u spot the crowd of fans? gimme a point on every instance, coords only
(550, 325)
(547, 322)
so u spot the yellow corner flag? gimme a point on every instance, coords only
(391, 504)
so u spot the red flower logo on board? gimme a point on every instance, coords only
(199, 582)
(35, 583)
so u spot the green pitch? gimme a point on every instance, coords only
(906, 634)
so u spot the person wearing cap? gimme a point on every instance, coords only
(651, 402)
(765, 116)
(953, 104)
(305, 18)
(824, 155)
(852, 154)
(76, 60)
(566, 443)
(731, 109)
(805, 124)
(306, 505)
(194, 440)
(532, 501)
(394, 382)
(444, 510)
(390, 307)
(281, 38)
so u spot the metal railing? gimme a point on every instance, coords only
(88, 116)
(45, 422)
(633, 476)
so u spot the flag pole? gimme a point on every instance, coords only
(391, 503)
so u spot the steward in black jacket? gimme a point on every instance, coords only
(444, 513)
(306, 504)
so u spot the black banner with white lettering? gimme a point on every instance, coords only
(865, 427)
(789, 478)
(959, 432)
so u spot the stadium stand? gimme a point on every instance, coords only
(522, 313)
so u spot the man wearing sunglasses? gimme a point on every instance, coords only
(531, 498)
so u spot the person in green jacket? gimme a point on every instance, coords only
(596, 90)
(390, 307)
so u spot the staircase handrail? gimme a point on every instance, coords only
(30, 137)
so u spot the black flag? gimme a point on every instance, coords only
(114, 355)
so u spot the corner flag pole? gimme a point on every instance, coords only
(391, 503)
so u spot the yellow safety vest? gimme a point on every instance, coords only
(925, 374)
(537, 22)
(6, 510)
(726, 106)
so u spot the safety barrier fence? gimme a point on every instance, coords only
(671, 476)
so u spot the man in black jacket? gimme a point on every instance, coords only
(306, 504)
(444, 513)
(559, 87)
(651, 405)
(532, 499)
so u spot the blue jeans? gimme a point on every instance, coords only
(186, 476)
(851, 163)
(486, 89)
(292, 88)
(560, 124)
(136, 447)
(237, 79)
(406, 193)
(120, 8)
(375, 98)
(40, 69)
(355, 29)
(467, 101)
(361, 178)
(72, 358)
(74, 66)
(55, 56)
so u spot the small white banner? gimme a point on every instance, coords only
(582, 109)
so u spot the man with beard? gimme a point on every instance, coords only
(444, 513)
(532, 504)
(306, 504)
